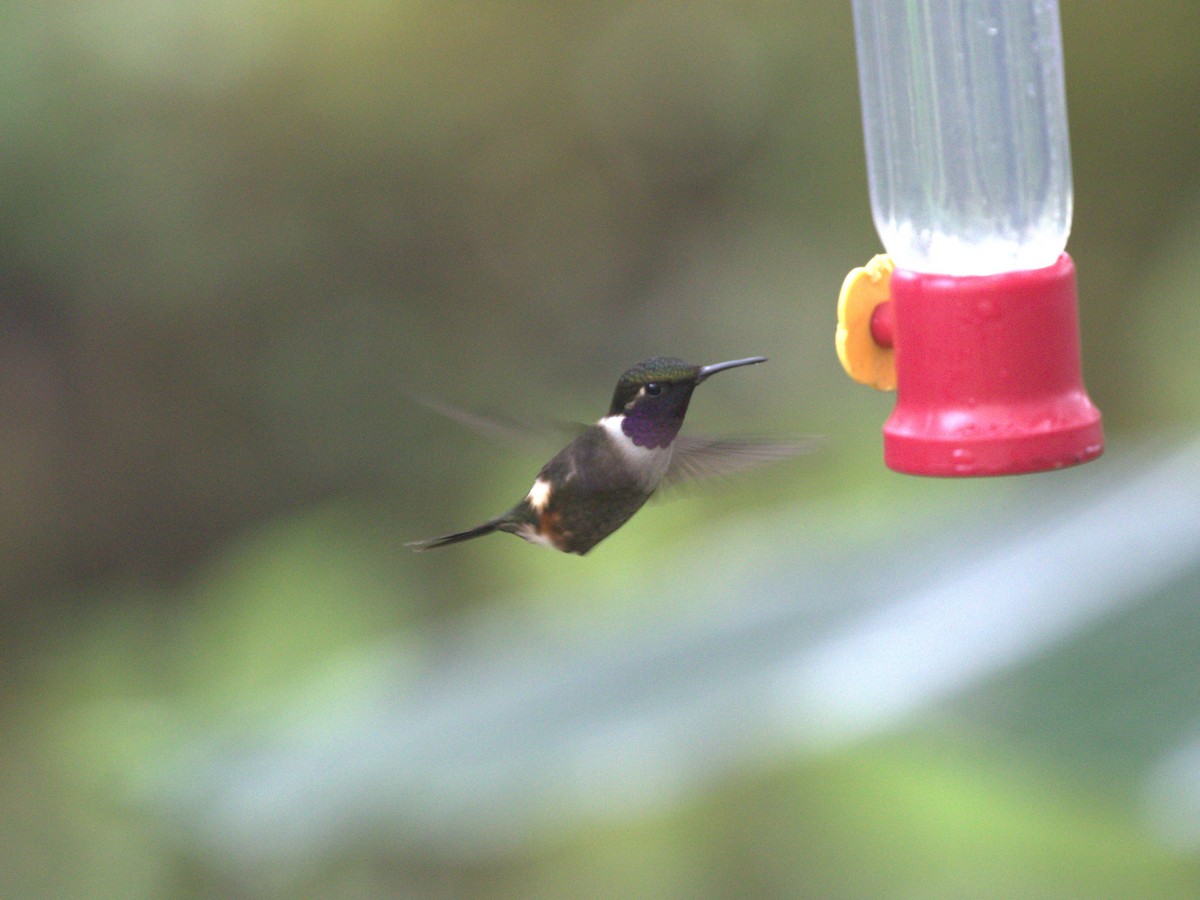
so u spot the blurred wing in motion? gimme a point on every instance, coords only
(695, 457)
(526, 434)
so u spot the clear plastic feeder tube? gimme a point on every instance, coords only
(964, 112)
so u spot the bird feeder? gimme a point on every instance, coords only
(971, 316)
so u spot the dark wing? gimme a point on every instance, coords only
(694, 457)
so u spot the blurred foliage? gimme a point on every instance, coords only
(240, 237)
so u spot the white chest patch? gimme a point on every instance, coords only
(539, 494)
(651, 464)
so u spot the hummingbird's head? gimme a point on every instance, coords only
(653, 396)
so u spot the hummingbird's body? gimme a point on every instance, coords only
(595, 484)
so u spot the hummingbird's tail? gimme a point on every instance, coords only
(457, 537)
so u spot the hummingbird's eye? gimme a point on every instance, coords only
(653, 389)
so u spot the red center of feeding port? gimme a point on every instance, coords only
(988, 374)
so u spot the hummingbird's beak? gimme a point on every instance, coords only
(705, 371)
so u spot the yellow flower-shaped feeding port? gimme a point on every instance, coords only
(863, 358)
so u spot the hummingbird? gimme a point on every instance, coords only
(597, 482)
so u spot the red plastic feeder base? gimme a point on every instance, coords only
(988, 375)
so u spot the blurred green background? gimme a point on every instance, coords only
(238, 238)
